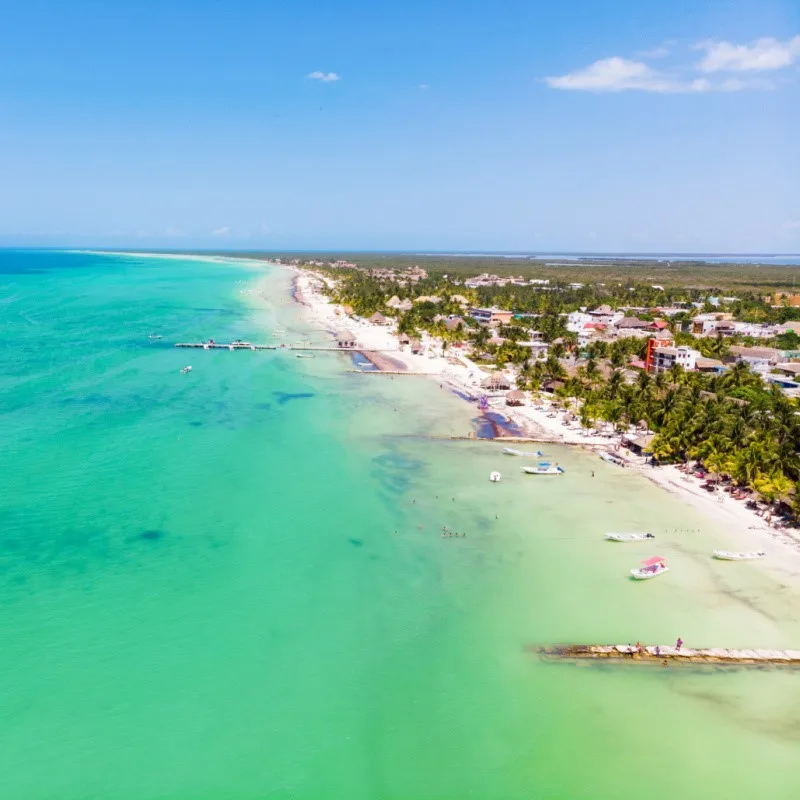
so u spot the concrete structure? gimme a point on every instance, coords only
(705, 324)
(491, 315)
(683, 356)
(709, 365)
(758, 358)
(652, 345)
(576, 320)
(605, 315)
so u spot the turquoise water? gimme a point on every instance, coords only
(232, 584)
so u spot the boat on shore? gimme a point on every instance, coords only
(726, 555)
(651, 568)
(544, 468)
(511, 451)
(610, 458)
(629, 537)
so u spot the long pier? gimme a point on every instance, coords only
(250, 346)
(666, 655)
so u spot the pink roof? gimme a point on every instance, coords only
(649, 562)
(660, 324)
(638, 363)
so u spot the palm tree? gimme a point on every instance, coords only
(554, 369)
(614, 384)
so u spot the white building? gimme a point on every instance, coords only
(605, 314)
(666, 357)
(576, 320)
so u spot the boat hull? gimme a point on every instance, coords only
(643, 575)
(724, 555)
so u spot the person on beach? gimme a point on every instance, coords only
(679, 643)
(658, 651)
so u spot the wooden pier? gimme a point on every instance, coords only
(251, 346)
(666, 655)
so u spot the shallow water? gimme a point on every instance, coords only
(233, 584)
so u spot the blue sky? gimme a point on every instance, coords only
(545, 126)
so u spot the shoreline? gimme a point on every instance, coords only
(538, 423)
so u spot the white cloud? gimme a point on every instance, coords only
(762, 54)
(223, 231)
(621, 74)
(424, 87)
(325, 77)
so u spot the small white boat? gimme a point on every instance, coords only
(305, 355)
(628, 537)
(494, 477)
(510, 451)
(651, 567)
(725, 555)
(185, 370)
(154, 336)
(544, 468)
(612, 459)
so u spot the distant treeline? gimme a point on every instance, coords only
(712, 277)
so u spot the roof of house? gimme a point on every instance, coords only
(708, 363)
(754, 352)
(515, 395)
(603, 309)
(632, 322)
(792, 368)
(658, 324)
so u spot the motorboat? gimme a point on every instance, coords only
(305, 355)
(544, 468)
(726, 555)
(510, 451)
(612, 459)
(629, 537)
(494, 477)
(154, 336)
(185, 370)
(651, 567)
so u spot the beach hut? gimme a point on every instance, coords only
(378, 319)
(515, 398)
(415, 345)
(551, 385)
(404, 338)
(639, 444)
(345, 339)
(496, 382)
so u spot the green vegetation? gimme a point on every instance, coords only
(731, 422)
